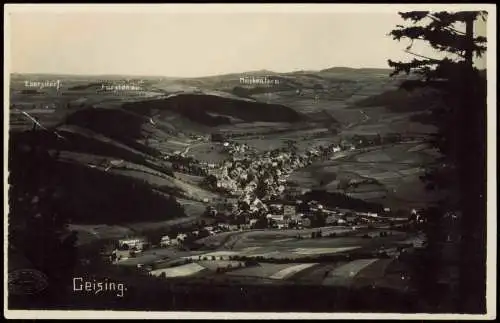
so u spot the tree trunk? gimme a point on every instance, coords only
(471, 171)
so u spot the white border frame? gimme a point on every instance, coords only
(282, 8)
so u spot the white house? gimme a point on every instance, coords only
(165, 241)
(181, 236)
(129, 243)
(275, 217)
(282, 224)
(257, 205)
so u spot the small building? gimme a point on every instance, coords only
(275, 217)
(282, 224)
(120, 255)
(137, 243)
(165, 241)
(181, 236)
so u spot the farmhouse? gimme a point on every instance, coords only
(181, 236)
(132, 243)
(275, 217)
(282, 224)
(165, 241)
(257, 205)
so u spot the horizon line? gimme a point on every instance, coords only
(201, 76)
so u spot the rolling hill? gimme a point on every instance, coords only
(212, 110)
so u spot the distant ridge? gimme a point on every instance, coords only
(338, 69)
(357, 70)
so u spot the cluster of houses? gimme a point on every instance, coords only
(270, 215)
(245, 173)
(253, 213)
(234, 148)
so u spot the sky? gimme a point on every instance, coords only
(193, 44)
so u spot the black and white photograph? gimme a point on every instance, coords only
(250, 161)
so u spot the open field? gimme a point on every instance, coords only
(89, 233)
(354, 273)
(208, 152)
(381, 173)
(342, 274)
(179, 271)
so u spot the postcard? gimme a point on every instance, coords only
(250, 161)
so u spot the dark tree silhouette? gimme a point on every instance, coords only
(37, 223)
(461, 139)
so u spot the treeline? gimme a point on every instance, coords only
(247, 92)
(76, 142)
(401, 100)
(117, 124)
(31, 91)
(313, 259)
(197, 107)
(119, 199)
(114, 123)
(90, 195)
(335, 199)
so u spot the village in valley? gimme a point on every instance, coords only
(258, 200)
(317, 194)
